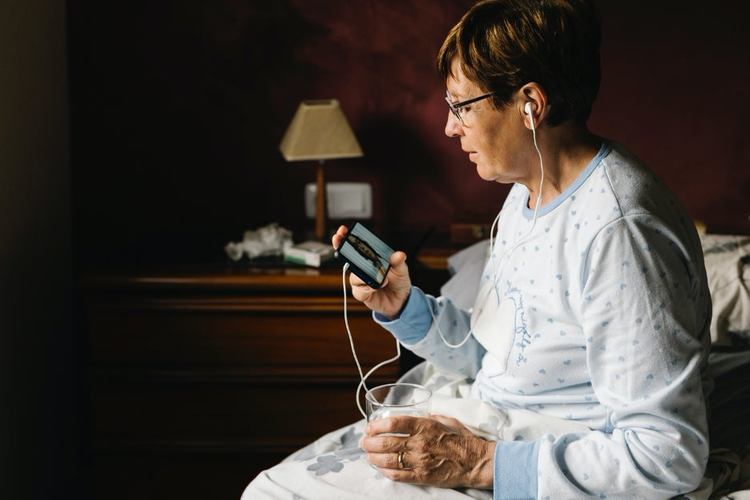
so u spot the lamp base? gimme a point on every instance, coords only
(321, 205)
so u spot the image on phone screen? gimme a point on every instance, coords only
(368, 256)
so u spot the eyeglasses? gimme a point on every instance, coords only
(457, 108)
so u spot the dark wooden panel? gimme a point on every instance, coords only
(200, 379)
(163, 415)
(257, 338)
(183, 476)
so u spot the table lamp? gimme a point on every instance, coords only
(319, 131)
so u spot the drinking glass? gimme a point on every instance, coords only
(398, 399)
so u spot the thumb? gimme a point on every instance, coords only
(399, 273)
(398, 258)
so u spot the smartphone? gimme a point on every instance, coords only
(368, 256)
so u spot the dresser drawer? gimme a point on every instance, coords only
(257, 334)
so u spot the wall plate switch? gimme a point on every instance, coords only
(345, 200)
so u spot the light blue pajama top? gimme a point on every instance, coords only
(598, 312)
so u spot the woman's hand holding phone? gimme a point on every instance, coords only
(390, 297)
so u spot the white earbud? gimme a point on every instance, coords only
(527, 110)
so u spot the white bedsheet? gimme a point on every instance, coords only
(333, 467)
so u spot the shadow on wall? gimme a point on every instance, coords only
(405, 176)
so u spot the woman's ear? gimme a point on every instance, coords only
(534, 101)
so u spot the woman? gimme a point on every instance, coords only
(593, 310)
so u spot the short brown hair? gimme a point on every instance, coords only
(502, 45)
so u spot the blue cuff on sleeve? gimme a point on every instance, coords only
(413, 323)
(516, 465)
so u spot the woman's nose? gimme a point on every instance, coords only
(452, 126)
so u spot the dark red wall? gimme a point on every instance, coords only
(178, 108)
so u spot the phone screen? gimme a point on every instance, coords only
(368, 256)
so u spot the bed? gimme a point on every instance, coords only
(727, 260)
(728, 472)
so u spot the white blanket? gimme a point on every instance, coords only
(333, 467)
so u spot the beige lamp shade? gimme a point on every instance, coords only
(319, 131)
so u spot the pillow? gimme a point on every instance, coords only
(727, 260)
(466, 268)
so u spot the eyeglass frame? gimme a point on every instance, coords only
(456, 107)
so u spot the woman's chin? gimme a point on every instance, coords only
(485, 174)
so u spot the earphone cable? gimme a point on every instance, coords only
(362, 378)
(495, 261)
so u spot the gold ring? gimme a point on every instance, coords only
(400, 459)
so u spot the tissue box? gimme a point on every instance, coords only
(309, 253)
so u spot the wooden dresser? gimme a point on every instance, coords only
(200, 377)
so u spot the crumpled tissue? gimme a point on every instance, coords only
(266, 241)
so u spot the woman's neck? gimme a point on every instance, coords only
(566, 152)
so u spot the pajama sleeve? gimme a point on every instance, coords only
(427, 325)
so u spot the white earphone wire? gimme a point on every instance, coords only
(492, 230)
(362, 378)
